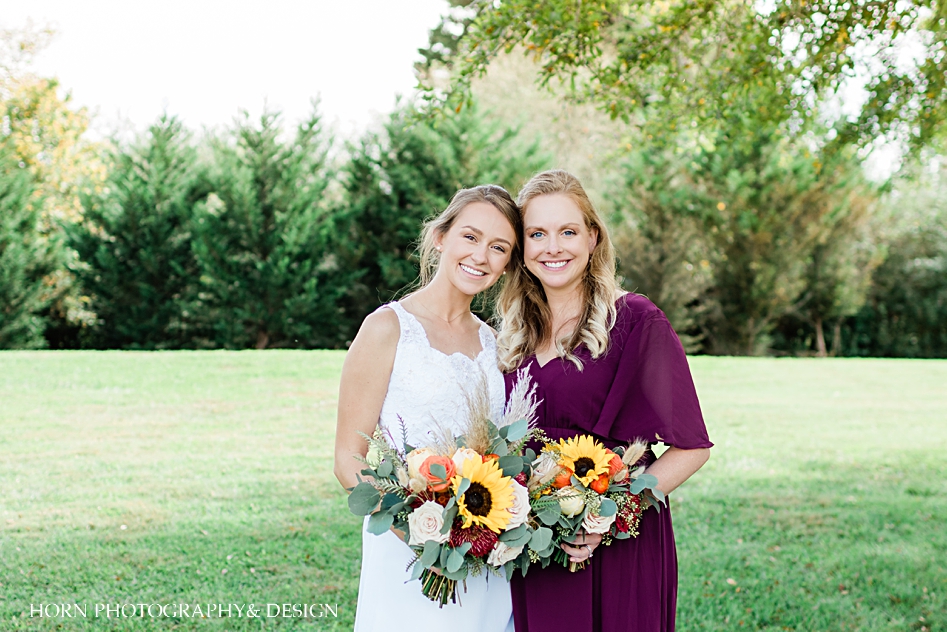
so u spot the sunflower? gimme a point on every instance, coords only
(490, 494)
(586, 457)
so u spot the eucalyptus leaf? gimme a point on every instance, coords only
(363, 499)
(511, 465)
(541, 539)
(607, 508)
(523, 540)
(549, 514)
(459, 575)
(645, 481)
(432, 551)
(439, 471)
(513, 534)
(517, 430)
(379, 522)
(463, 487)
(454, 561)
(529, 454)
(509, 568)
(499, 447)
(384, 469)
(449, 515)
(416, 571)
(389, 502)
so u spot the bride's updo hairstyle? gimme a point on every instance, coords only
(491, 194)
(526, 321)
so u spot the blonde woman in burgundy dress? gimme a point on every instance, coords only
(607, 363)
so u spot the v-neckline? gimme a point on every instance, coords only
(427, 339)
(548, 362)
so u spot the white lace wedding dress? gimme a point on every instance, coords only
(426, 385)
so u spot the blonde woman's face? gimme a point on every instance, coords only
(476, 249)
(557, 245)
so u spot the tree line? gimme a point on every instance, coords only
(753, 229)
(257, 238)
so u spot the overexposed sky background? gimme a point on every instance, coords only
(204, 60)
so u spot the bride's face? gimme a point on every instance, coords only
(476, 249)
(558, 244)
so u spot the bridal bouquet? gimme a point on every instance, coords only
(578, 483)
(460, 501)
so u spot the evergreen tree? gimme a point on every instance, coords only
(134, 241)
(27, 257)
(905, 314)
(407, 173)
(267, 279)
(662, 250)
(770, 202)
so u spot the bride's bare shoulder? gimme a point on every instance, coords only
(380, 328)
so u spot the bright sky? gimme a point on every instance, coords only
(206, 59)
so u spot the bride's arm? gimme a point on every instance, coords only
(362, 390)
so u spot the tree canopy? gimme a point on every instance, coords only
(865, 69)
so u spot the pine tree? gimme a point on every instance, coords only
(27, 257)
(405, 174)
(267, 279)
(135, 243)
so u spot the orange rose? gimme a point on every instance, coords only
(615, 464)
(563, 479)
(490, 457)
(600, 484)
(438, 484)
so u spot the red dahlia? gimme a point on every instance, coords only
(482, 540)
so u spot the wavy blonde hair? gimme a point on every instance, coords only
(525, 320)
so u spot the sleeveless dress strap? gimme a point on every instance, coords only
(412, 332)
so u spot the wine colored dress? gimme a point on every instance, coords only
(640, 389)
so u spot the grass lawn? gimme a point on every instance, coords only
(206, 477)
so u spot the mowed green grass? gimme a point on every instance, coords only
(206, 477)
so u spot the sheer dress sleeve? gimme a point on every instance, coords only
(652, 396)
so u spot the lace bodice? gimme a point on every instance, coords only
(427, 385)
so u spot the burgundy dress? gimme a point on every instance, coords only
(641, 388)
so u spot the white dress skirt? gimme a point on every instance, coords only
(427, 387)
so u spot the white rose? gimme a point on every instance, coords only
(598, 524)
(415, 458)
(426, 522)
(462, 455)
(519, 510)
(571, 501)
(545, 468)
(501, 554)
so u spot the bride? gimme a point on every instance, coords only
(412, 359)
